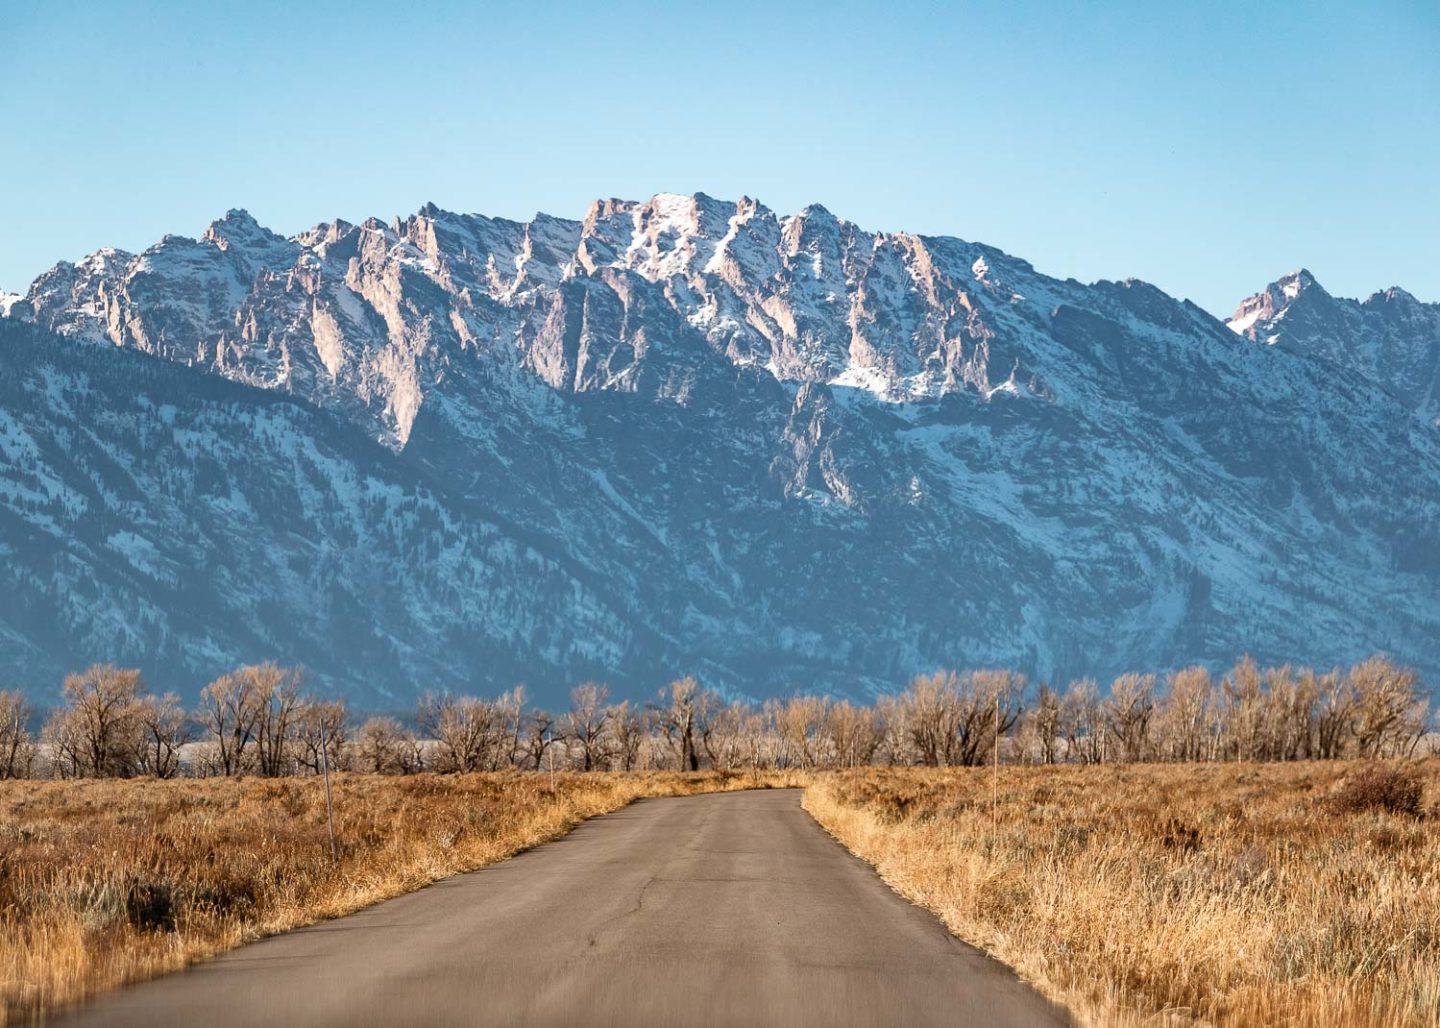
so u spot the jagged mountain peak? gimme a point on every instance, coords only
(237, 220)
(1295, 283)
(1397, 296)
(239, 233)
(324, 232)
(1272, 302)
(106, 256)
(818, 213)
(1390, 338)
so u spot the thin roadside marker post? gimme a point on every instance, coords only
(329, 804)
(550, 750)
(995, 786)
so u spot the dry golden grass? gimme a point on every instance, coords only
(107, 882)
(1229, 894)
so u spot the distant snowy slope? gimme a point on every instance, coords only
(188, 524)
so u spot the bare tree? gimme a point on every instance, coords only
(278, 706)
(800, 723)
(60, 743)
(953, 718)
(228, 713)
(321, 724)
(854, 733)
(380, 746)
(628, 730)
(511, 710)
(931, 715)
(255, 720)
(17, 749)
(465, 728)
(1390, 713)
(1187, 714)
(96, 732)
(1082, 722)
(894, 716)
(1243, 692)
(1129, 711)
(726, 745)
(1045, 720)
(587, 723)
(995, 703)
(1335, 707)
(1289, 714)
(539, 737)
(163, 729)
(685, 720)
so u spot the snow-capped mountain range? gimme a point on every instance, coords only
(694, 436)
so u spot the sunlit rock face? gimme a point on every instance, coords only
(688, 435)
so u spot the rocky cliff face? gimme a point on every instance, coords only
(688, 435)
(1389, 338)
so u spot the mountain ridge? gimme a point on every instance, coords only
(785, 452)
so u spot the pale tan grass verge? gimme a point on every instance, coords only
(1152, 894)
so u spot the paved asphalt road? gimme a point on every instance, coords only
(724, 909)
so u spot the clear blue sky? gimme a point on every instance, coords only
(1207, 149)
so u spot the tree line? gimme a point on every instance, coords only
(259, 720)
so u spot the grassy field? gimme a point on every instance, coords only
(106, 882)
(1228, 894)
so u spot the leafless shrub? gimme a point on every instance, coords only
(1394, 788)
